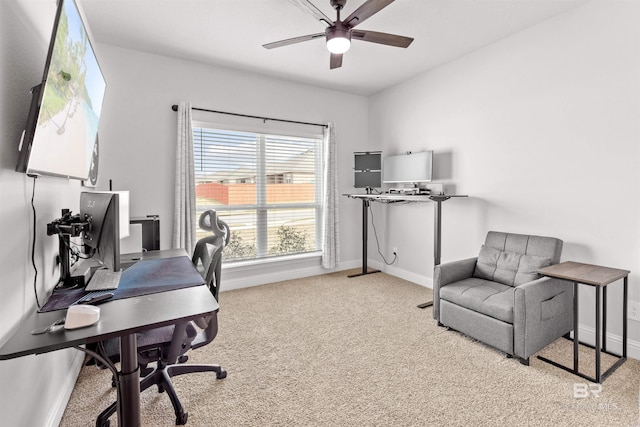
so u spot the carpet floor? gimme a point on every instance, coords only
(333, 351)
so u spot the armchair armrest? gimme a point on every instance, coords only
(447, 273)
(542, 313)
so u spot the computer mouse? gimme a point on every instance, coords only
(79, 316)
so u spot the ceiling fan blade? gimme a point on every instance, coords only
(335, 61)
(365, 11)
(293, 40)
(310, 8)
(381, 38)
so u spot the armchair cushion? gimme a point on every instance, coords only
(508, 268)
(483, 296)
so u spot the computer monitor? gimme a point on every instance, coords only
(409, 168)
(367, 169)
(101, 236)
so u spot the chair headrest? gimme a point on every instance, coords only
(209, 221)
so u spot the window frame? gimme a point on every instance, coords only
(261, 208)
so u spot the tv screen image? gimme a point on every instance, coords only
(62, 127)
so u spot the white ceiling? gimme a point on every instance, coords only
(231, 33)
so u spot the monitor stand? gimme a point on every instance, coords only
(66, 227)
(81, 273)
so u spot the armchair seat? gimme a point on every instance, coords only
(484, 296)
(500, 299)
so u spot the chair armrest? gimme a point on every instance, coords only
(454, 271)
(447, 273)
(542, 313)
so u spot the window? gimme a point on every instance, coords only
(266, 187)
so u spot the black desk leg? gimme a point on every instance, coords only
(604, 319)
(365, 226)
(437, 244)
(129, 383)
(598, 336)
(624, 318)
(575, 327)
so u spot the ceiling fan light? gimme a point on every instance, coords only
(338, 45)
(338, 41)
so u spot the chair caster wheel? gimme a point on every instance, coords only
(221, 375)
(182, 419)
(107, 423)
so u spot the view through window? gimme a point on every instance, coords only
(267, 188)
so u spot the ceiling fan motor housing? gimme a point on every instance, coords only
(338, 4)
(338, 30)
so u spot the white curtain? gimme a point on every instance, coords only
(184, 229)
(330, 240)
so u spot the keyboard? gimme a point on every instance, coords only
(94, 297)
(104, 279)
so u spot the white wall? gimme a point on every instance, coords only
(138, 136)
(33, 389)
(542, 131)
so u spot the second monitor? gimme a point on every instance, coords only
(101, 236)
(367, 169)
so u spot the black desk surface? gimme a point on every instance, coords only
(146, 276)
(117, 318)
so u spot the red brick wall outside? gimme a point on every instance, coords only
(213, 191)
(245, 194)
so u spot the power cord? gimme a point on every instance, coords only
(375, 233)
(73, 248)
(33, 243)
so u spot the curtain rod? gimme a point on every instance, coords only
(174, 107)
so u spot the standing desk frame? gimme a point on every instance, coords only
(393, 198)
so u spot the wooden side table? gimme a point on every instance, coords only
(600, 277)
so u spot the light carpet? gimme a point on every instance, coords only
(336, 351)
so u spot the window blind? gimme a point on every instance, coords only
(266, 187)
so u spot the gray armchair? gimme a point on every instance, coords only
(500, 299)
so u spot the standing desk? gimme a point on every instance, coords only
(397, 198)
(121, 318)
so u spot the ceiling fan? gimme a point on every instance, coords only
(339, 33)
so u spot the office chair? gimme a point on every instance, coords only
(208, 251)
(167, 346)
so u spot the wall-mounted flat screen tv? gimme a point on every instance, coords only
(62, 126)
(409, 168)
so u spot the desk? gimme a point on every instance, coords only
(397, 198)
(120, 318)
(599, 277)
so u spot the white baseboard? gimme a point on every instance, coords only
(57, 410)
(614, 342)
(248, 275)
(403, 274)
